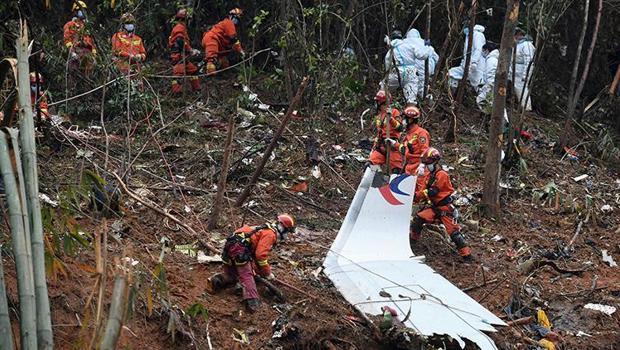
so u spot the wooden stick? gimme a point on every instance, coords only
(221, 184)
(274, 141)
(480, 285)
(288, 285)
(614, 84)
(521, 321)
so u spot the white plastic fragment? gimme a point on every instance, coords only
(580, 177)
(608, 258)
(46, 199)
(607, 208)
(606, 309)
(583, 334)
(203, 258)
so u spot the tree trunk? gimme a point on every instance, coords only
(221, 184)
(6, 333)
(492, 168)
(428, 37)
(117, 313)
(573, 77)
(463, 83)
(446, 42)
(26, 134)
(274, 141)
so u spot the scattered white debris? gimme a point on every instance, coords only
(246, 113)
(180, 177)
(46, 199)
(130, 261)
(580, 177)
(607, 208)
(316, 172)
(583, 334)
(606, 309)
(497, 238)
(263, 107)
(608, 258)
(203, 258)
(187, 209)
(462, 201)
(187, 249)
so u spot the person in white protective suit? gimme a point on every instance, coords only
(413, 36)
(475, 70)
(524, 55)
(490, 53)
(404, 57)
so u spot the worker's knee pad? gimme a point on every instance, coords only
(458, 239)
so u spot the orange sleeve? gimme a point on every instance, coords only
(265, 242)
(117, 47)
(442, 182)
(420, 186)
(142, 49)
(44, 108)
(68, 34)
(230, 31)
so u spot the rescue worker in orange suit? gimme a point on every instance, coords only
(378, 154)
(37, 97)
(180, 53)
(246, 252)
(80, 44)
(416, 141)
(127, 47)
(220, 40)
(435, 190)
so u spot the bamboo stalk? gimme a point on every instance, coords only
(117, 308)
(6, 333)
(25, 284)
(44, 321)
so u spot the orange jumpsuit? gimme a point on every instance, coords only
(219, 40)
(128, 51)
(180, 56)
(416, 142)
(436, 190)
(42, 106)
(244, 255)
(76, 38)
(377, 156)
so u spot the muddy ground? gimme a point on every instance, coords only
(178, 173)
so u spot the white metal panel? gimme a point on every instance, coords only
(371, 254)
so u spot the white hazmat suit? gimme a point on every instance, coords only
(405, 55)
(525, 54)
(413, 36)
(485, 94)
(475, 69)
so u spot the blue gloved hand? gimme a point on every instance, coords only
(427, 42)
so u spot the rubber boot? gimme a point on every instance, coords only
(176, 87)
(216, 282)
(462, 247)
(252, 305)
(195, 82)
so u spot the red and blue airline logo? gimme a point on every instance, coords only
(388, 190)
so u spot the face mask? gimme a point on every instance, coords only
(33, 89)
(130, 27)
(235, 20)
(80, 14)
(430, 167)
(466, 31)
(282, 231)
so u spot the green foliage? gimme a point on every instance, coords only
(257, 23)
(141, 101)
(198, 310)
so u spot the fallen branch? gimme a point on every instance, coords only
(157, 209)
(479, 285)
(288, 285)
(521, 321)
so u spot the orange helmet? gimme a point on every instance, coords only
(237, 12)
(33, 78)
(288, 224)
(181, 14)
(412, 112)
(431, 155)
(381, 97)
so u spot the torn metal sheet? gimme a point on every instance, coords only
(371, 264)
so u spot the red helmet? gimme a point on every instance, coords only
(412, 112)
(287, 221)
(181, 14)
(431, 155)
(381, 97)
(33, 78)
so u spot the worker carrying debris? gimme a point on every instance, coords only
(246, 252)
(435, 190)
(456, 73)
(180, 53)
(382, 140)
(220, 40)
(37, 96)
(525, 51)
(127, 47)
(78, 42)
(416, 141)
(400, 63)
(490, 54)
